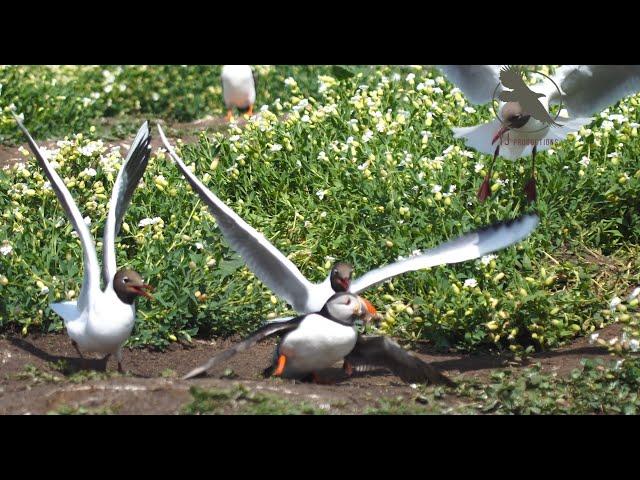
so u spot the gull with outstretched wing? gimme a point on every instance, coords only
(583, 90)
(101, 319)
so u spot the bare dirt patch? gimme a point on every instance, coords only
(39, 374)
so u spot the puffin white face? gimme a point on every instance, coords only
(344, 306)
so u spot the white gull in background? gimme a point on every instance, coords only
(581, 89)
(238, 88)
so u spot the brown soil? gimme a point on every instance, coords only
(188, 132)
(152, 383)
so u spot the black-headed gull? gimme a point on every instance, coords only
(316, 341)
(238, 89)
(279, 274)
(101, 319)
(581, 89)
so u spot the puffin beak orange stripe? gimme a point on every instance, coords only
(369, 306)
(282, 360)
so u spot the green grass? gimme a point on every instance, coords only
(309, 176)
(240, 400)
(58, 100)
(78, 410)
(598, 388)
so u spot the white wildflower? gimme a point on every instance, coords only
(486, 259)
(149, 221)
(471, 282)
(6, 248)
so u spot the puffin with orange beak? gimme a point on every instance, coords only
(316, 341)
(102, 318)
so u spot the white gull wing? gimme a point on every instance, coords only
(91, 279)
(516, 144)
(468, 247)
(128, 178)
(480, 136)
(477, 82)
(67, 310)
(588, 89)
(274, 269)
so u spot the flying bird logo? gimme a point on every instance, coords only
(512, 77)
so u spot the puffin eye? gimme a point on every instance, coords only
(125, 280)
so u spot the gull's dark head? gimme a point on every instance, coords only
(341, 277)
(129, 285)
(512, 116)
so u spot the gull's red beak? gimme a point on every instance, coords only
(142, 290)
(501, 132)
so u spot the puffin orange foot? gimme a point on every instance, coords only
(282, 361)
(250, 111)
(229, 116)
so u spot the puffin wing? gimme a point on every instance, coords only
(467, 247)
(477, 82)
(266, 331)
(587, 89)
(379, 351)
(91, 279)
(274, 269)
(128, 178)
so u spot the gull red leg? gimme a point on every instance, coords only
(530, 187)
(485, 189)
(83, 361)
(75, 345)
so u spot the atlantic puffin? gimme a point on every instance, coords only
(316, 341)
